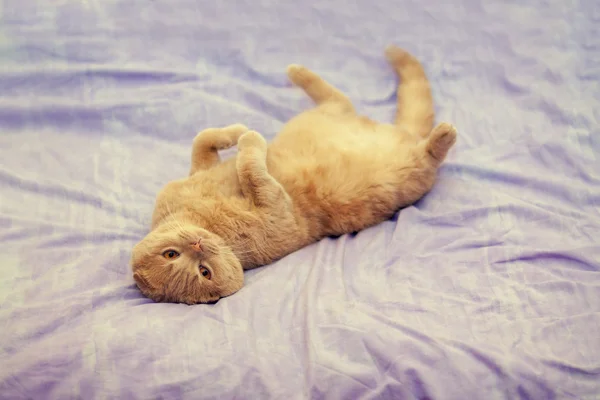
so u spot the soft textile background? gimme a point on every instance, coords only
(488, 288)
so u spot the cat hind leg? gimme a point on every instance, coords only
(320, 91)
(415, 111)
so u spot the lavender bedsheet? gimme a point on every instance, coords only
(488, 288)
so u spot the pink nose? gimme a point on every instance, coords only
(196, 246)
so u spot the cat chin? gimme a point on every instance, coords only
(234, 283)
(235, 287)
(230, 285)
(213, 300)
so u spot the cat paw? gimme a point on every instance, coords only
(398, 57)
(236, 128)
(252, 139)
(234, 132)
(220, 138)
(441, 139)
(393, 52)
(298, 74)
(444, 133)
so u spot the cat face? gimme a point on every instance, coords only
(185, 264)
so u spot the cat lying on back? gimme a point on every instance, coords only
(329, 172)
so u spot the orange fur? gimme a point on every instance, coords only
(327, 173)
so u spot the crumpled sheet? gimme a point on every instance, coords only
(488, 288)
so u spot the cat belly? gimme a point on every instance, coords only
(342, 180)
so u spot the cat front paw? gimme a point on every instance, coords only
(234, 132)
(236, 128)
(220, 138)
(252, 139)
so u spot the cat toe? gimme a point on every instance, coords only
(237, 128)
(441, 139)
(395, 55)
(293, 69)
(444, 132)
(297, 74)
(252, 139)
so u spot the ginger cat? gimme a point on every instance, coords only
(329, 172)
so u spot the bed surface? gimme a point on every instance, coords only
(488, 288)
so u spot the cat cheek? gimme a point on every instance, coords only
(210, 249)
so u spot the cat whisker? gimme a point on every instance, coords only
(237, 251)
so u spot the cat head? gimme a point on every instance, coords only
(182, 263)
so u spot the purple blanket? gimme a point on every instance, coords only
(487, 288)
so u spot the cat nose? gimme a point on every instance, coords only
(196, 246)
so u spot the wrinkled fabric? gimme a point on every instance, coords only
(487, 288)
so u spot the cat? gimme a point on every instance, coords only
(327, 173)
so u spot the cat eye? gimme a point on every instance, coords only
(205, 272)
(170, 254)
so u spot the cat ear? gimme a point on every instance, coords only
(141, 282)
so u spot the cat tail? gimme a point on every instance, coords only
(415, 111)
